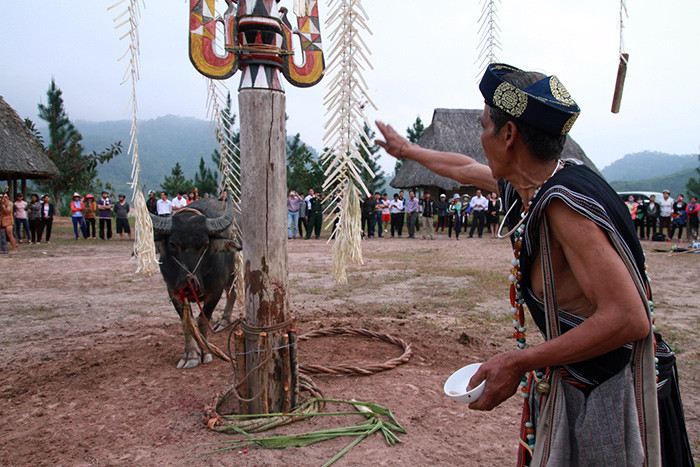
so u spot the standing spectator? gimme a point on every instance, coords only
(639, 221)
(34, 215)
(179, 201)
(455, 217)
(428, 206)
(395, 208)
(479, 205)
(651, 216)
(190, 197)
(104, 207)
(196, 194)
(151, 202)
(632, 208)
(665, 210)
(303, 218)
(315, 215)
(378, 215)
(77, 206)
(294, 203)
(90, 210)
(493, 214)
(464, 212)
(164, 206)
(411, 214)
(386, 212)
(692, 210)
(368, 216)
(47, 213)
(679, 216)
(121, 211)
(441, 208)
(7, 222)
(20, 208)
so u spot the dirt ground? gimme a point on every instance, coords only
(88, 371)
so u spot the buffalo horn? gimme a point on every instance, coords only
(161, 225)
(221, 223)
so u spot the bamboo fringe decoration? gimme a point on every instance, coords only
(229, 168)
(489, 32)
(344, 135)
(144, 247)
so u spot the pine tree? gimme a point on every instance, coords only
(693, 185)
(176, 182)
(413, 134)
(77, 170)
(205, 180)
(372, 183)
(304, 171)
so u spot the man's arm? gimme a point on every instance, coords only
(458, 167)
(619, 314)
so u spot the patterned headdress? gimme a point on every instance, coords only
(546, 104)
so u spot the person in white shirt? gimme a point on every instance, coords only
(179, 201)
(164, 206)
(665, 210)
(396, 211)
(478, 205)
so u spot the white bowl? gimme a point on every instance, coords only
(456, 385)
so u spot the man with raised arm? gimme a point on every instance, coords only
(590, 388)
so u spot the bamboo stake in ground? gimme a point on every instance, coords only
(242, 388)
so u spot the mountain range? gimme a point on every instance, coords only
(163, 141)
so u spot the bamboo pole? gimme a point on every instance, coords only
(239, 345)
(286, 374)
(263, 379)
(620, 82)
(294, 366)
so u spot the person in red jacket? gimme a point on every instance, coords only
(692, 210)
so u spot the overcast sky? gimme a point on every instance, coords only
(423, 53)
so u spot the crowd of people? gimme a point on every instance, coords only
(32, 221)
(662, 219)
(380, 215)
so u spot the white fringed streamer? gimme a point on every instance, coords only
(489, 32)
(229, 169)
(301, 7)
(144, 248)
(344, 103)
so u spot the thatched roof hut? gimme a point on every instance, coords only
(458, 130)
(21, 156)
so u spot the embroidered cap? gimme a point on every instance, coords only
(546, 104)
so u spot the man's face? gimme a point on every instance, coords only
(427, 196)
(488, 140)
(179, 196)
(121, 199)
(478, 193)
(104, 195)
(151, 195)
(401, 194)
(311, 192)
(652, 198)
(376, 196)
(693, 200)
(46, 199)
(665, 195)
(412, 195)
(163, 196)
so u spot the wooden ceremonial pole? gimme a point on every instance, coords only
(261, 49)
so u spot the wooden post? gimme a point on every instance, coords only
(263, 223)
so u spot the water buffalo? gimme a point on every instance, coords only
(197, 249)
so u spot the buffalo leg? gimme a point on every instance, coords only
(193, 354)
(226, 318)
(204, 331)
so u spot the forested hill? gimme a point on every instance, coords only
(648, 165)
(163, 141)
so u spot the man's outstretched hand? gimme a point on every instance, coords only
(392, 140)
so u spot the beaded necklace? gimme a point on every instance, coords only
(518, 312)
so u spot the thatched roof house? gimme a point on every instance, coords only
(21, 156)
(458, 130)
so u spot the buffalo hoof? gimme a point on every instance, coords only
(189, 360)
(206, 358)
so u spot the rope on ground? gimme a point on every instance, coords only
(352, 369)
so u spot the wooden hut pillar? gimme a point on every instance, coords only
(24, 188)
(264, 223)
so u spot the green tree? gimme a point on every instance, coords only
(693, 185)
(370, 156)
(413, 134)
(77, 170)
(304, 170)
(176, 181)
(205, 180)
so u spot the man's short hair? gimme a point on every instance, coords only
(543, 145)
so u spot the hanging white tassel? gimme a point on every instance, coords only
(144, 248)
(344, 102)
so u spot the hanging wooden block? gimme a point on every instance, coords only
(620, 83)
